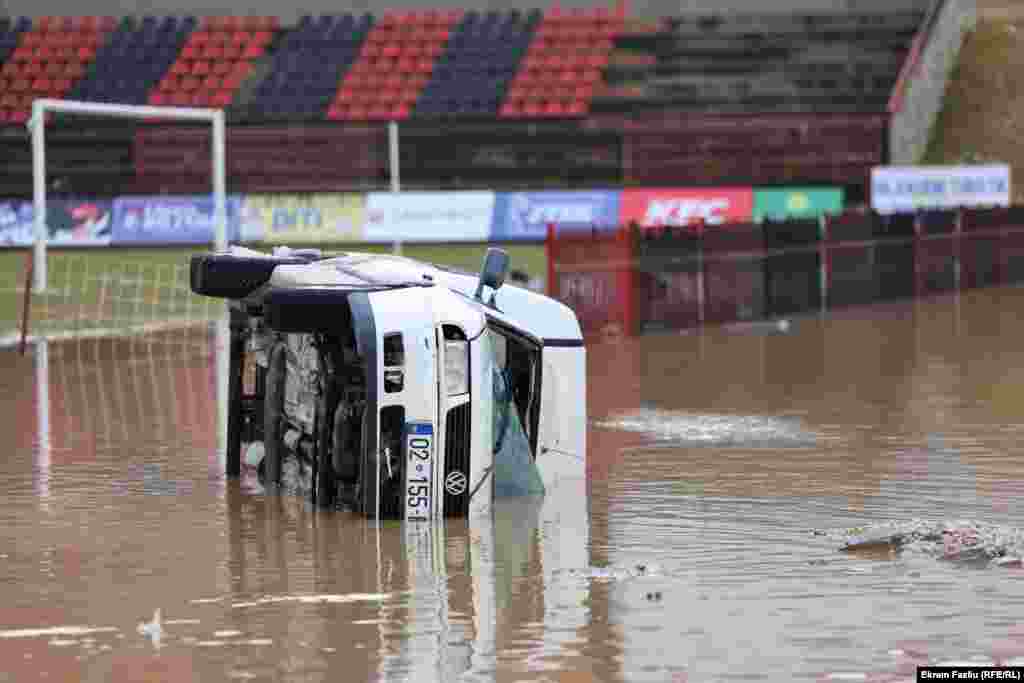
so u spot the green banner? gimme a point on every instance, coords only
(796, 202)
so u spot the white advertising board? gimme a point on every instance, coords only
(429, 216)
(903, 189)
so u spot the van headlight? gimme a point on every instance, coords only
(456, 367)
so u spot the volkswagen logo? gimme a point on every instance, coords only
(455, 483)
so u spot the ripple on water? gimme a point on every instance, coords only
(668, 427)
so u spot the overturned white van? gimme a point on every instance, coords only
(407, 391)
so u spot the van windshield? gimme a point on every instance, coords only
(515, 472)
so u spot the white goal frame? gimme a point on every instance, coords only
(37, 127)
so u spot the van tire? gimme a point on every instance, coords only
(304, 311)
(273, 412)
(232, 277)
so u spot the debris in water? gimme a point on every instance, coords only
(962, 542)
(316, 599)
(153, 630)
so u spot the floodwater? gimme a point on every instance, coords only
(713, 459)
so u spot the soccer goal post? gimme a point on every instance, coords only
(37, 128)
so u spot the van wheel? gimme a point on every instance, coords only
(233, 277)
(273, 412)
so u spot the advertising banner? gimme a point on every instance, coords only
(796, 202)
(302, 218)
(70, 222)
(16, 223)
(686, 206)
(429, 216)
(170, 220)
(526, 215)
(903, 189)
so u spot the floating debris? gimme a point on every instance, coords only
(615, 573)
(961, 542)
(316, 599)
(153, 630)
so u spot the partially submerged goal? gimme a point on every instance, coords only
(37, 126)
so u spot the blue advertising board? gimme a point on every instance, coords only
(526, 215)
(70, 222)
(170, 220)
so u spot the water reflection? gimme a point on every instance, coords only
(433, 602)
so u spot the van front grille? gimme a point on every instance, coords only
(457, 449)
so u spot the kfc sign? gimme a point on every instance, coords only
(654, 208)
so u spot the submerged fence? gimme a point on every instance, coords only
(88, 296)
(637, 280)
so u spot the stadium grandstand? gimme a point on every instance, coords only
(565, 96)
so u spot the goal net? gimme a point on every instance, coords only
(37, 127)
(81, 292)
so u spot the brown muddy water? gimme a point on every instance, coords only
(713, 458)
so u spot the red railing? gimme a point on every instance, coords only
(632, 281)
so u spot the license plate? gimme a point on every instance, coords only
(419, 470)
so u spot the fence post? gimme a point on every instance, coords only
(552, 254)
(627, 280)
(701, 294)
(918, 288)
(958, 237)
(823, 259)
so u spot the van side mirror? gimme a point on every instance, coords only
(494, 272)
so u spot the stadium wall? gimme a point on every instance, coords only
(918, 95)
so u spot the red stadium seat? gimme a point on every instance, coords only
(222, 98)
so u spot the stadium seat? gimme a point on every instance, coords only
(220, 46)
(396, 36)
(472, 74)
(144, 50)
(46, 58)
(569, 48)
(308, 65)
